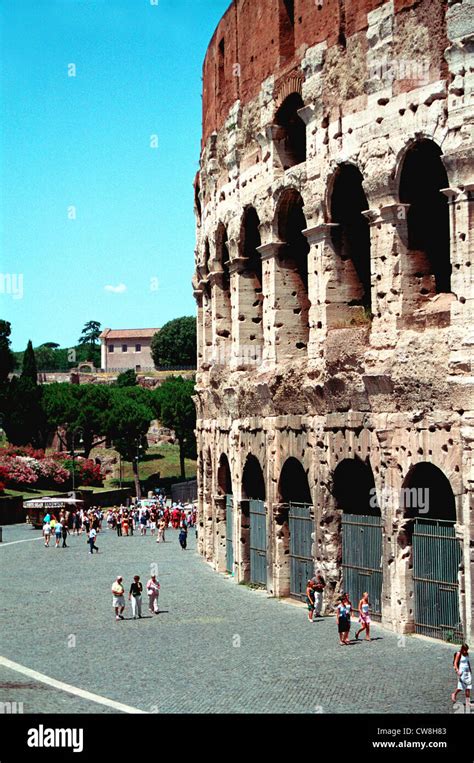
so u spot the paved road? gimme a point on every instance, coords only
(217, 647)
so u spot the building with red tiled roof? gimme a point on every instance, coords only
(122, 349)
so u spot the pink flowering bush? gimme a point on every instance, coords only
(23, 467)
(18, 471)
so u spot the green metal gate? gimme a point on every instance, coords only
(301, 528)
(258, 543)
(229, 523)
(362, 560)
(436, 560)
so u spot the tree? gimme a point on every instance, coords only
(25, 421)
(7, 359)
(175, 344)
(89, 339)
(175, 409)
(127, 379)
(129, 421)
(29, 369)
(82, 410)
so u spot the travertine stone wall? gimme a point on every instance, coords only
(320, 380)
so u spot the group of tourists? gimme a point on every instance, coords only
(155, 518)
(314, 601)
(135, 596)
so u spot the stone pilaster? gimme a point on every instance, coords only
(247, 316)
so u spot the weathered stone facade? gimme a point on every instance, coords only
(334, 277)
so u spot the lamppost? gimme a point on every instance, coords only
(137, 459)
(73, 453)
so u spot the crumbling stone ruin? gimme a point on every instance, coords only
(335, 304)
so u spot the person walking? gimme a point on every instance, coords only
(58, 530)
(161, 530)
(462, 666)
(135, 596)
(47, 533)
(364, 617)
(183, 537)
(118, 524)
(343, 619)
(319, 585)
(65, 533)
(310, 600)
(118, 601)
(91, 541)
(153, 590)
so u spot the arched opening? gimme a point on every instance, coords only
(291, 143)
(224, 487)
(206, 308)
(295, 530)
(287, 28)
(291, 280)
(197, 200)
(429, 507)
(427, 492)
(224, 479)
(253, 524)
(253, 482)
(223, 318)
(250, 348)
(208, 513)
(421, 179)
(351, 239)
(353, 488)
(293, 484)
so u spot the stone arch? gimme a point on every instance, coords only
(250, 290)
(291, 281)
(224, 476)
(361, 538)
(353, 488)
(222, 311)
(252, 523)
(294, 525)
(427, 492)
(291, 138)
(293, 484)
(346, 201)
(431, 566)
(206, 257)
(253, 481)
(421, 176)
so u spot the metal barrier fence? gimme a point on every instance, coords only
(186, 492)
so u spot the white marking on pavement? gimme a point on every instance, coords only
(68, 688)
(28, 540)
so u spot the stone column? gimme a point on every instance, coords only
(220, 533)
(221, 316)
(320, 254)
(206, 342)
(247, 316)
(281, 557)
(208, 512)
(198, 296)
(242, 541)
(284, 335)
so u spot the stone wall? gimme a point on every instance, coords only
(348, 338)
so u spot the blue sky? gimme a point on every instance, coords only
(85, 201)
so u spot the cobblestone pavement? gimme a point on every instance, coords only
(216, 646)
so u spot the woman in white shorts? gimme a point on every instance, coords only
(462, 666)
(118, 600)
(46, 533)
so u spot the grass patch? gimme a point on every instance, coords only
(159, 459)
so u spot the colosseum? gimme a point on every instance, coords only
(335, 415)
